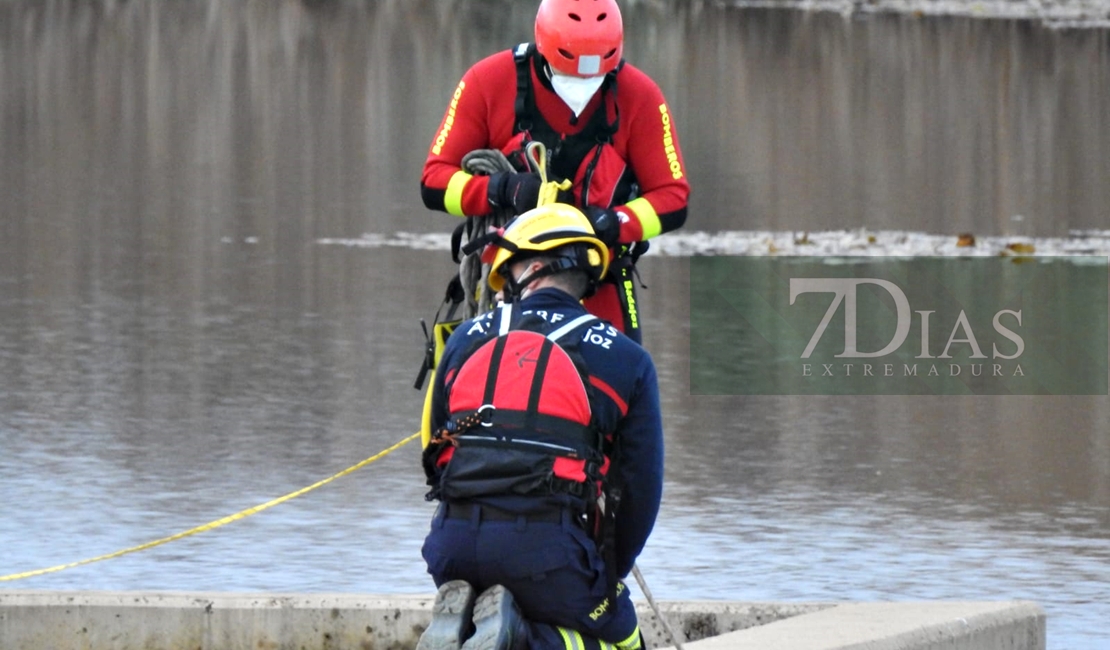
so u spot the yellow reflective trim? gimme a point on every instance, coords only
(572, 639)
(649, 220)
(452, 198)
(632, 642)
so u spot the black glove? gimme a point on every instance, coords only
(606, 223)
(519, 191)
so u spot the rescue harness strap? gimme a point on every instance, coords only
(566, 152)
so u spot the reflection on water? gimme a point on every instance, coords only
(176, 345)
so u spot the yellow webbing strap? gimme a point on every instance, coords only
(549, 190)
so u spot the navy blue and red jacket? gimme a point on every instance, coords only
(625, 406)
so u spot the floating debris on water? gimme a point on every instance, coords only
(1054, 14)
(1021, 248)
(893, 243)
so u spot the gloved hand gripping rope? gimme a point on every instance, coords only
(511, 192)
(472, 272)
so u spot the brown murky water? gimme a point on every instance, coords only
(178, 342)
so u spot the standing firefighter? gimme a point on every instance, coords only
(605, 124)
(546, 456)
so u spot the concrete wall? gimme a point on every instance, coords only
(32, 620)
(896, 626)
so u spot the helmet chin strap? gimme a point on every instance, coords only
(514, 289)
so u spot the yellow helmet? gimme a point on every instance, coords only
(547, 228)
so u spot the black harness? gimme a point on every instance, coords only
(566, 152)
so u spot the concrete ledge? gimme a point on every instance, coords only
(895, 626)
(82, 620)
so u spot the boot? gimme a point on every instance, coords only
(451, 615)
(498, 624)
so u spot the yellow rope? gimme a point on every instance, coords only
(214, 524)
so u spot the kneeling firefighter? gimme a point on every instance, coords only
(546, 454)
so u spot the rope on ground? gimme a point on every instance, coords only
(219, 522)
(647, 594)
(655, 607)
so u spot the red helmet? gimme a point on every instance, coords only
(582, 38)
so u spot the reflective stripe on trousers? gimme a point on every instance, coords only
(575, 641)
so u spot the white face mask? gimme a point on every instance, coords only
(575, 91)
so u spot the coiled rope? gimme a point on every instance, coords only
(212, 525)
(473, 273)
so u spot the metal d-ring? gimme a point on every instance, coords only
(486, 420)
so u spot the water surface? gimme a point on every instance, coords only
(180, 341)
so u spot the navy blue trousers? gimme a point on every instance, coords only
(553, 570)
